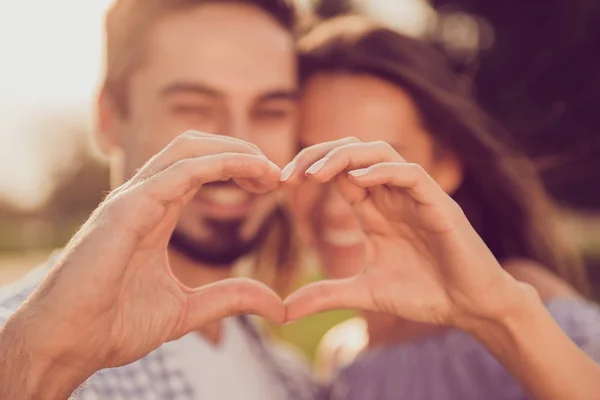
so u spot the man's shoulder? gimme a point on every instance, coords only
(154, 376)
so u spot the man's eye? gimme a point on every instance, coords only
(192, 110)
(272, 114)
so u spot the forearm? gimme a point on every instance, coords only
(25, 375)
(538, 354)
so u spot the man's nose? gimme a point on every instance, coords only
(238, 126)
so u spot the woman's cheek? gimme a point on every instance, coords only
(303, 203)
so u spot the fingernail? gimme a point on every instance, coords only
(275, 166)
(359, 172)
(288, 171)
(316, 167)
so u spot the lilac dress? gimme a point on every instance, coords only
(453, 366)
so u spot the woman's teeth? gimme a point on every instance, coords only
(343, 237)
(225, 196)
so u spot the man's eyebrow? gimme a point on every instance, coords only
(291, 94)
(189, 88)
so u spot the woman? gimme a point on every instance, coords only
(388, 218)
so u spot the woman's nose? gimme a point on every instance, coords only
(335, 206)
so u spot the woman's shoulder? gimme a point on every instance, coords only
(577, 316)
(548, 285)
(455, 365)
(449, 365)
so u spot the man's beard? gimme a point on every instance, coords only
(225, 245)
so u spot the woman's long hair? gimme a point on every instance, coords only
(500, 193)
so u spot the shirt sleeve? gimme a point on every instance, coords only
(454, 365)
(580, 320)
(15, 294)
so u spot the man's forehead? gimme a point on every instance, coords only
(245, 51)
(222, 23)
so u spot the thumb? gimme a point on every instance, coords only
(326, 295)
(232, 297)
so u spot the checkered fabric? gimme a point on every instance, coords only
(158, 376)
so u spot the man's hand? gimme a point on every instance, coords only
(111, 298)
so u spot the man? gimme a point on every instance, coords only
(223, 67)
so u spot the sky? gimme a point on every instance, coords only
(50, 65)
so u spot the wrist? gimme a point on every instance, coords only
(520, 312)
(31, 369)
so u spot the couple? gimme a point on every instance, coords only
(114, 316)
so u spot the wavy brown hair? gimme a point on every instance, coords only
(500, 193)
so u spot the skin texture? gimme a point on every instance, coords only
(419, 259)
(187, 80)
(88, 312)
(425, 263)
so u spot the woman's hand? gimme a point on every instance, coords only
(424, 261)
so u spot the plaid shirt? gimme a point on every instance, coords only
(159, 375)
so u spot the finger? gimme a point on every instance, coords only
(140, 209)
(193, 144)
(180, 178)
(351, 156)
(412, 177)
(294, 171)
(325, 296)
(231, 297)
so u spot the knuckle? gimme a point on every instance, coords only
(253, 147)
(234, 162)
(188, 138)
(416, 172)
(241, 298)
(185, 165)
(415, 169)
(343, 152)
(235, 145)
(181, 141)
(383, 145)
(304, 154)
(118, 205)
(193, 134)
(322, 292)
(351, 139)
(188, 167)
(336, 153)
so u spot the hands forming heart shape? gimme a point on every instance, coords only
(111, 298)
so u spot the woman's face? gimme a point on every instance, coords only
(338, 105)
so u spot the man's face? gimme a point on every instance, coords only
(225, 69)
